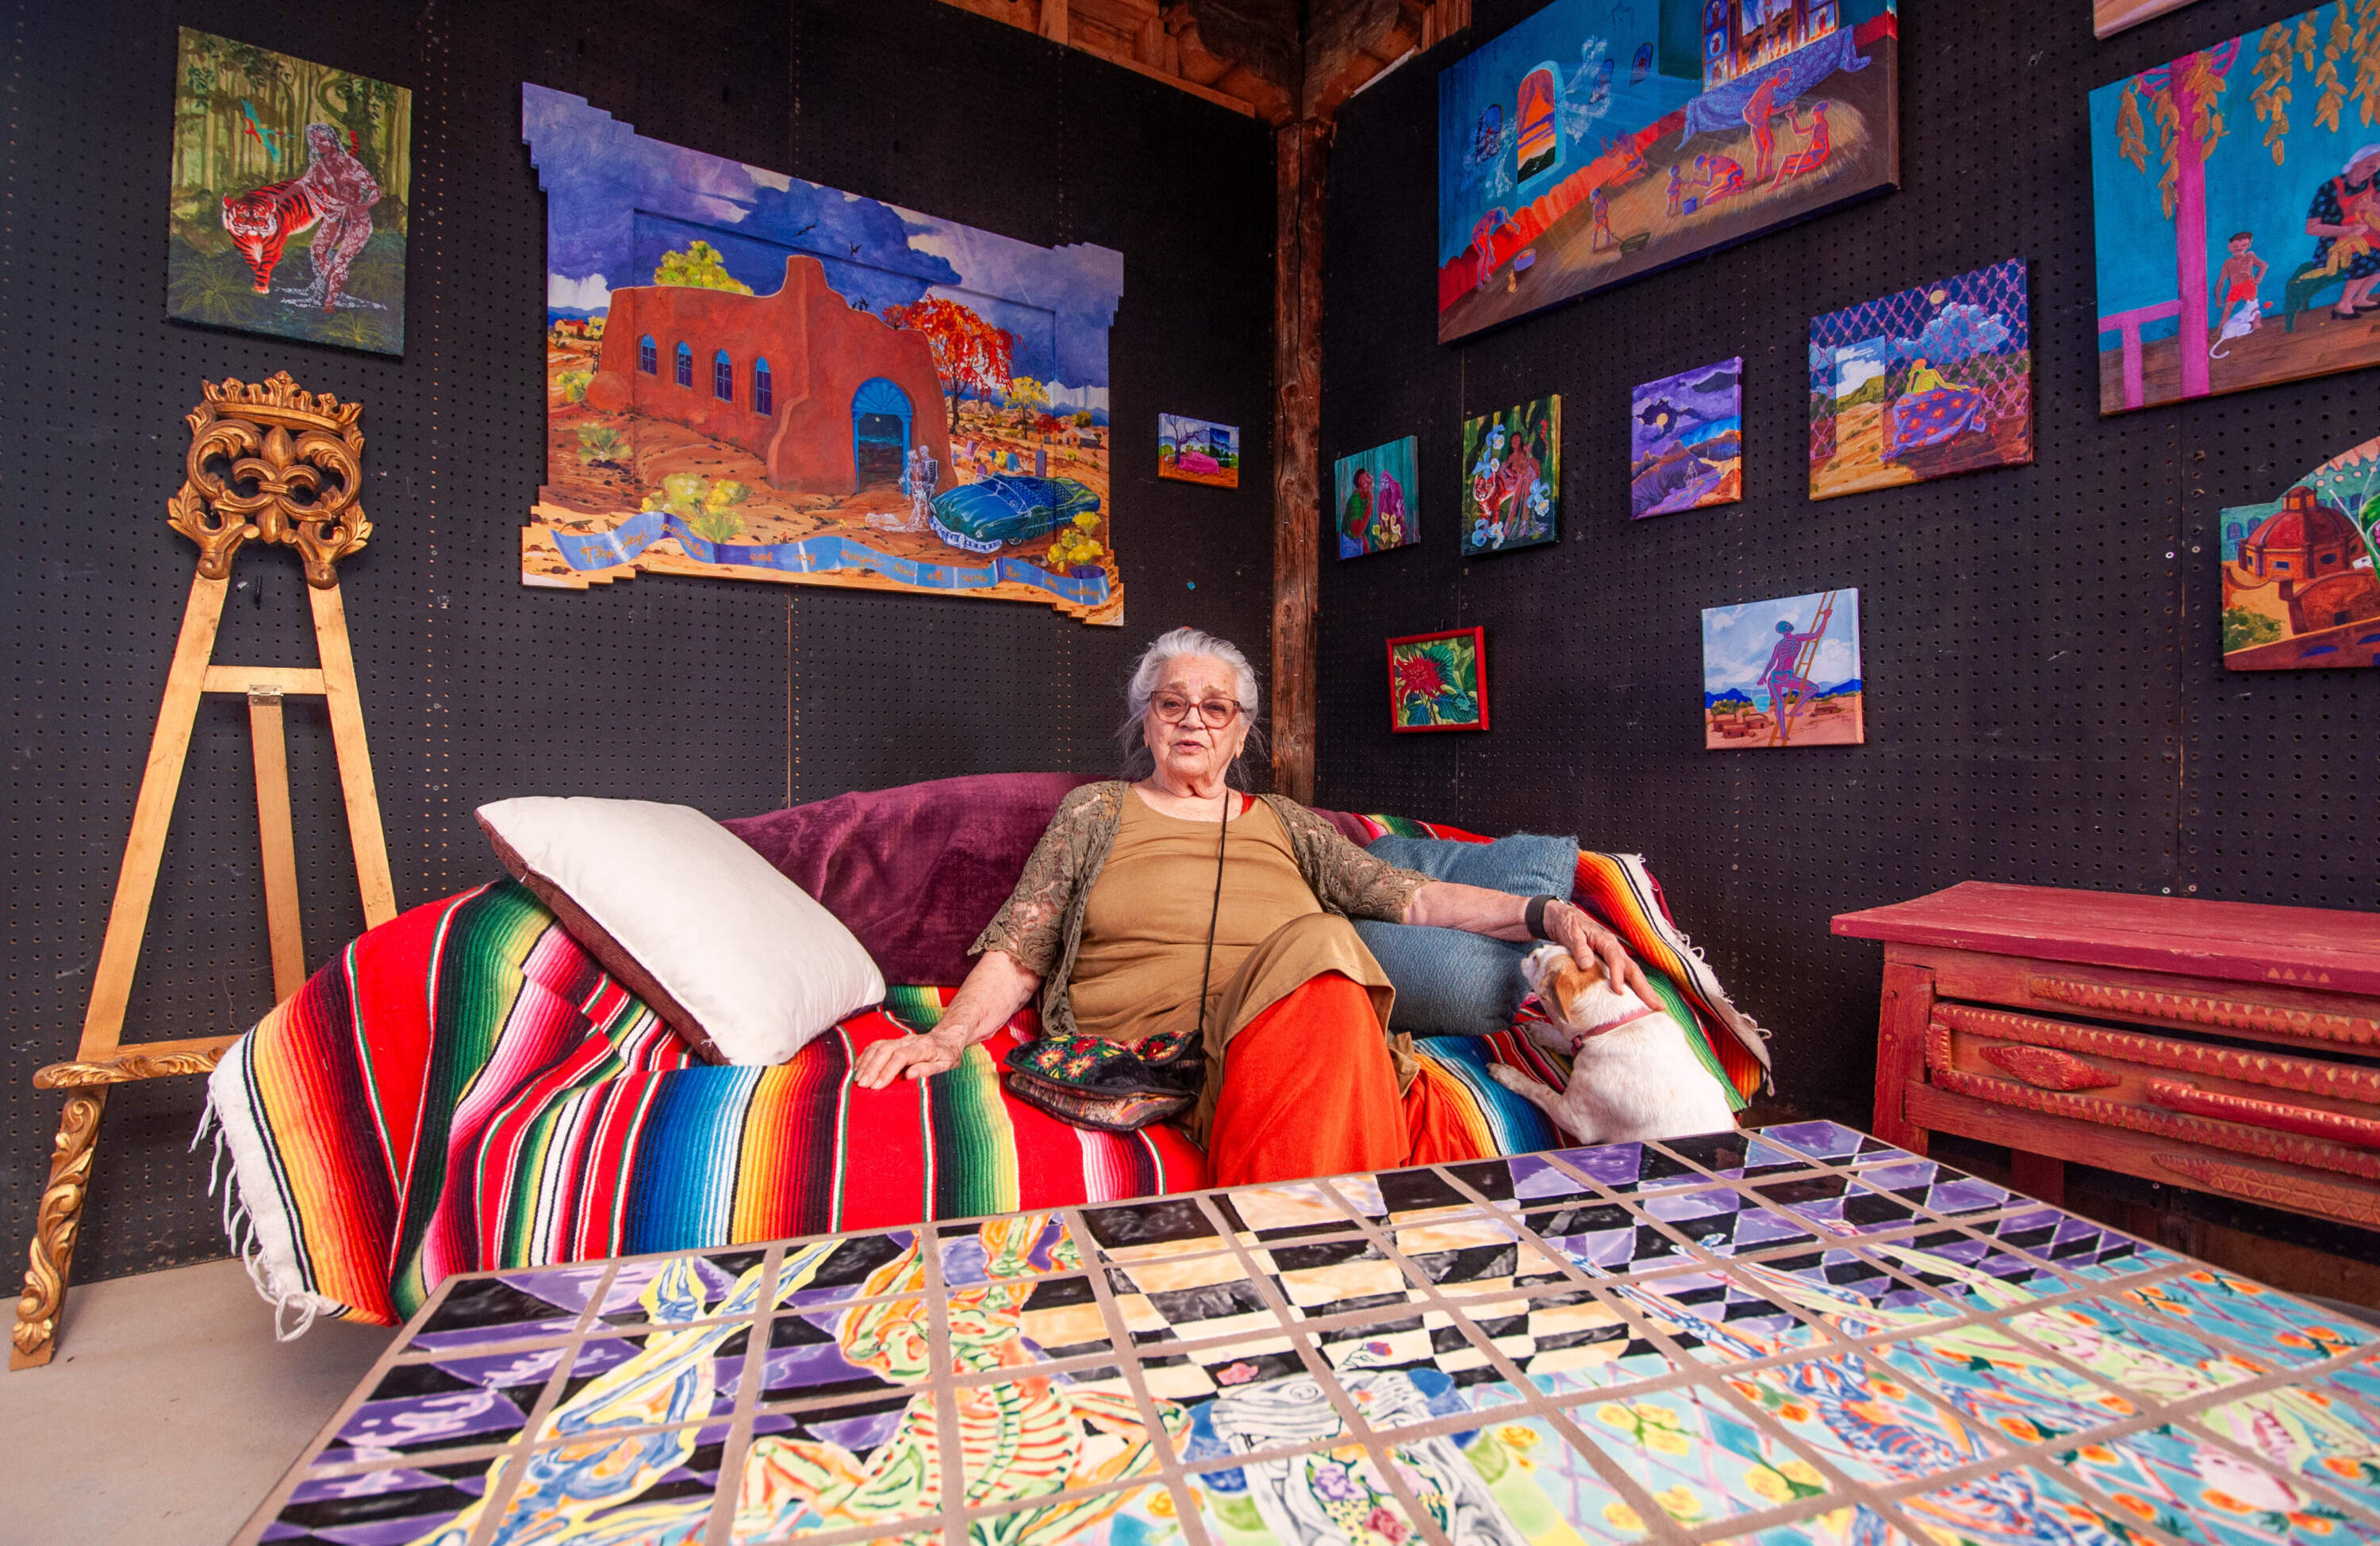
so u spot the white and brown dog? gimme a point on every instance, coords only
(1633, 1074)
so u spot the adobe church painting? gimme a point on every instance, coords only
(754, 377)
(2300, 590)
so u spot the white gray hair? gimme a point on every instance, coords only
(1149, 671)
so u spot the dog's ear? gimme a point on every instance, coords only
(1568, 979)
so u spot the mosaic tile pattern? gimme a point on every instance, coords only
(1797, 1336)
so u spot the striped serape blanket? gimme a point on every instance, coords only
(464, 1088)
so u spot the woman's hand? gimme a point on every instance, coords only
(1571, 927)
(937, 1051)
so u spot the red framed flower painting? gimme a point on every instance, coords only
(1439, 681)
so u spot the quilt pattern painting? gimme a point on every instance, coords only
(754, 377)
(1589, 1345)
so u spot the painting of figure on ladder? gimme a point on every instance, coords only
(1784, 672)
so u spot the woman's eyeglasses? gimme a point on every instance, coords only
(1215, 713)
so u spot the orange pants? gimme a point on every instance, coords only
(1309, 1089)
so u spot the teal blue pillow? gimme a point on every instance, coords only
(1451, 983)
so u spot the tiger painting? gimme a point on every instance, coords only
(333, 199)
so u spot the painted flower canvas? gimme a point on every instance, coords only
(1511, 477)
(1439, 681)
(1377, 504)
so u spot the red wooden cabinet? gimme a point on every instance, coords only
(2226, 1046)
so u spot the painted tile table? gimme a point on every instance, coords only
(1796, 1336)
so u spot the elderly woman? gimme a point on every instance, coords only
(1111, 923)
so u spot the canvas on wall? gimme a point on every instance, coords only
(1594, 142)
(2235, 213)
(1439, 681)
(1377, 499)
(2110, 16)
(1783, 674)
(1511, 477)
(2300, 589)
(1931, 381)
(754, 377)
(1686, 440)
(290, 191)
(1195, 451)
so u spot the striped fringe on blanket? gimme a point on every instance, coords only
(465, 1088)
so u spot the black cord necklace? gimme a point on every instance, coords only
(1213, 914)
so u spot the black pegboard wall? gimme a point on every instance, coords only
(731, 697)
(2046, 703)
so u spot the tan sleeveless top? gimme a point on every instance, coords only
(1145, 929)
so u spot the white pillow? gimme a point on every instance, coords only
(742, 962)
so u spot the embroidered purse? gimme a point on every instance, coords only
(1090, 1082)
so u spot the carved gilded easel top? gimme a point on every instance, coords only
(271, 461)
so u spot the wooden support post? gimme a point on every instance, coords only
(1300, 154)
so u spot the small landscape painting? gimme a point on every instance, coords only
(1686, 440)
(1439, 681)
(1783, 674)
(1511, 477)
(1197, 452)
(751, 376)
(1594, 141)
(2110, 16)
(1922, 384)
(1376, 500)
(290, 189)
(2235, 211)
(2300, 589)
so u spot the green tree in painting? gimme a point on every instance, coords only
(701, 267)
(2243, 628)
(1025, 396)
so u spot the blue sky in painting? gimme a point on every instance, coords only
(615, 200)
(2245, 191)
(1737, 642)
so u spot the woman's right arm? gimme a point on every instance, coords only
(993, 992)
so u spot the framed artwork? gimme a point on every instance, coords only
(1197, 452)
(1439, 681)
(753, 377)
(290, 189)
(1377, 503)
(1594, 142)
(1783, 674)
(2110, 16)
(1511, 477)
(2300, 590)
(1686, 440)
(2210, 176)
(1922, 384)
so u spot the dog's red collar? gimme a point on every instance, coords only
(1580, 1038)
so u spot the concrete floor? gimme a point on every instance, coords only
(169, 1411)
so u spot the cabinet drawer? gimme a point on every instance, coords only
(2304, 1110)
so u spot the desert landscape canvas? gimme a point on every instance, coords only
(753, 377)
(1686, 440)
(1784, 672)
(1194, 451)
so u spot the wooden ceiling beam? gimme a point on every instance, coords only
(1251, 73)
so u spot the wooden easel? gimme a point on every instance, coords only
(267, 463)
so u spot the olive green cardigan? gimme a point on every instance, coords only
(1041, 926)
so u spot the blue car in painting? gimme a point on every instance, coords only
(1004, 511)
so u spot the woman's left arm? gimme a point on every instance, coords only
(1501, 915)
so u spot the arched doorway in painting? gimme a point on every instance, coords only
(879, 431)
(1536, 126)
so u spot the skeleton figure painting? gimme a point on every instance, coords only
(289, 198)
